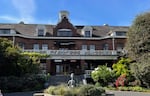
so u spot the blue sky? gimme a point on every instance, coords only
(87, 12)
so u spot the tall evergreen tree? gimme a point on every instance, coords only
(138, 46)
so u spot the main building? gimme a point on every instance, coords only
(72, 48)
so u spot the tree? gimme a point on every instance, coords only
(15, 62)
(9, 56)
(138, 47)
(30, 62)
(138, 41)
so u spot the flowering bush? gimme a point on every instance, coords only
(102, 74)
(120, 81)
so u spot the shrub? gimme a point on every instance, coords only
(103, 74)
(83, 90)
(122, 67)
(60, 90)
(50, 90)
(137, 88)
(90, 90)
(97, 84)
(26, 83)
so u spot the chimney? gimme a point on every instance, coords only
(63, 14)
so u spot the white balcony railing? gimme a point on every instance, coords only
(76, 52)
(88, 73)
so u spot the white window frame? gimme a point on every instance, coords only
(44, 46)
(85, 29)
(41, 27)
(84, 47)
(106, 46)
(64, 30)
(40, 32)
(87, 35)
(92, 47)
(21, 45)
(120, 33)
(5, 31)
(36, 46)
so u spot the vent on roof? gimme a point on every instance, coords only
(105, 25)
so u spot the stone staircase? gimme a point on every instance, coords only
(57, 80)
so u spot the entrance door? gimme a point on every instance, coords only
(62, 69)
(59, 69)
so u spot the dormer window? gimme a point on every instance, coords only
(64, 33)
(4, 31)
(41, 30)
(87, 34)
(87, 31)
(121, 33)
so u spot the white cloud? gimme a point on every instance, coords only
(26, 9)
(15, 19)
(9, 18)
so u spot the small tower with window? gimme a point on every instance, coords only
(63, 14)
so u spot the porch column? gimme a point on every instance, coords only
(48, 66)
(82, 62)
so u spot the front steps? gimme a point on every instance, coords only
(61, 79)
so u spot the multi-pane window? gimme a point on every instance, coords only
(4, 31)
(92, 47)
(84, 47)
(40, 32)
(21, 45)
(120, 46)
(120, 33)
(87, 34)
(36, 46)
(64, 33)
(105, 46)
(44, 46)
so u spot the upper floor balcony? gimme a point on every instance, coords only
(75, 52)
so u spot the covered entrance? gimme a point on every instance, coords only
(65, 67)
(62, 69)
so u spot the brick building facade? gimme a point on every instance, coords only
(72, 48)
